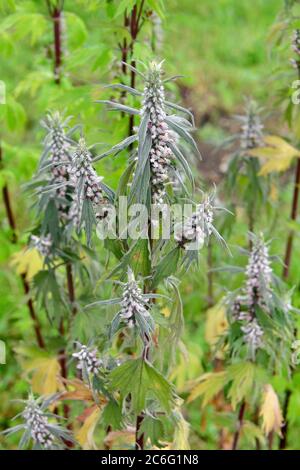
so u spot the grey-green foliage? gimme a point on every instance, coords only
(158, 138)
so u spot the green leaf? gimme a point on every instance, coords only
(112, 415)
(119, 107)
(180, 108)
(124, 180)
(208, 386)
(12, 115)
(88, 219)
(77, 32)
(50, 222)
(242, 376)
(140, 185)
(153, 429)
(129, 89)
(183, 133)
(123, 6)
(183, 163)
(117, 148)
(141, 381)
(166, 267)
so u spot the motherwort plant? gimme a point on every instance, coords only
(256, 294)
(243, 170)
(123, 368)
(158, 154)
(88, 197)
(40, 426)
(258, 308)
(256, 344)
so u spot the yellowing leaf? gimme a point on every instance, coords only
(273, 192)
(166, 311)
(85, 435)
(181, 434)
(120, 439)
(277, 155)
(77, 390)
(45, 375)
(242, 376)
(216, 325)
(270, 411)
(27, 262)
(252, 433)
(208, 386)
(188, 367)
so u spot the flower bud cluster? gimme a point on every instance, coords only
(133, 303)
(161, 155)
(38, 424)
(42, 244)
(87, 357)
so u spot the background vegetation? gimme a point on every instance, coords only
(226, 50)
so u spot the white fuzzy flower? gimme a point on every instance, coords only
(257, 293)
(87, 357)
(252, 128)
(253, 334)
(160, 154)
(42, 244)
(38, 424)
(133, 303)
(85, 181)
(259, 276)
(59, 147)
(197, 228)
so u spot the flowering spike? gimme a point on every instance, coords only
(198, 227)
(42, 244)
(135, 309)
(161, 155)
(87, 358)
(251, 129)
(257, 293)
(59, 146)
(296, 48)
(38, 424)
(85, 181)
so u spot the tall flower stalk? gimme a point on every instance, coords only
(262, 316)
(39, 426)
(249, 137)
(158, 156)
(290, 240)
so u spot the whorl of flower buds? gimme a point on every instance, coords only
(160, 153)
(87, 358)
(42, 244)
(133, 303)
(296, 48)
(196, 228)
(37, 423)
(253, 335)
(85, 181)
(59, 148)
(259, 276)
(257, 293)
(82, 172)
(252, 128)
